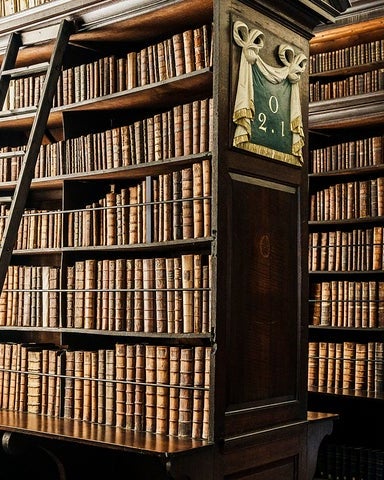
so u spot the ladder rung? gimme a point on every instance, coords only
(26, 71)
(17, 111)
(15, 153)
(5, 200)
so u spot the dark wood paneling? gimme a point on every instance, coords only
(263, 332)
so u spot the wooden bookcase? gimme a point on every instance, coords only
(153, 321)
(345, 248)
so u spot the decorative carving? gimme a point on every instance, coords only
(267, 110)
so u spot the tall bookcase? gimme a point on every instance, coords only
(152, 319)
(346, 243)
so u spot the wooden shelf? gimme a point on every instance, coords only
(349, 221)
(152, 97)
(134, 22)
(349, 112)
(96, 435)
(332, 175)
(132, 172)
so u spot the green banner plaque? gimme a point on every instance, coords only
(267, 109)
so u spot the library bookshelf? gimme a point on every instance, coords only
(346, 244)
(139, 325)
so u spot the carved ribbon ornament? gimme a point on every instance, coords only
(251, 42)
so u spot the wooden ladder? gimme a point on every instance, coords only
(41, 113)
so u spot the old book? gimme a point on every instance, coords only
(105, 283)
(323, 365)
(331, 355)
(120, 301)
(90, 279)
(22, 406)
(13, 376)
(120, 353)
(177, 206)
(179, 294)
(187, 112)
(70, 297)
(44, 381)
(197, 293)
(111, 295)
(206, 172)
(187, 203)
(69, 384)
(111, 217)
(370, 367)
(52, 384)
(378, 372)
(361, 368)
(34, 362)
(6, 374)
(349, 349)
(178, 52)
(187, 285)
(189, 51)
(101, 394)
(313, 364)
(178, 131)
(129, 307)
(139, 410)
(206, 428)
(162, 394)
(160, 295)
(133, 215)
(339, 367)
(150, 388)
(198, 392)
(87, 394)
(78, 391)
(110, 390)
(138, 311)
(170, 294)
(174, 397)
(198, 211)
(94, 386)
(167, 207)
(206, 300)
(79, 294)
(186, 393)
(130, 376)
(149, 294)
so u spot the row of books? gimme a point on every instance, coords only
(157, 389)
(164, 295)
(182, 130)
(358, 153)
(346, 368)
(30, 378)
(338, 461)
(348, 200)
(182, 53)
(152, 388)
(349, 56)
(30, 297)
(38, 228)
(8, 7)
(361, 83)
(360, 249)
(169, 207)
(343, 303)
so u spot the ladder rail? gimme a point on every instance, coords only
(9, 61)
(33, 149)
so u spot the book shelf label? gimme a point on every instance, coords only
(267, 110)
